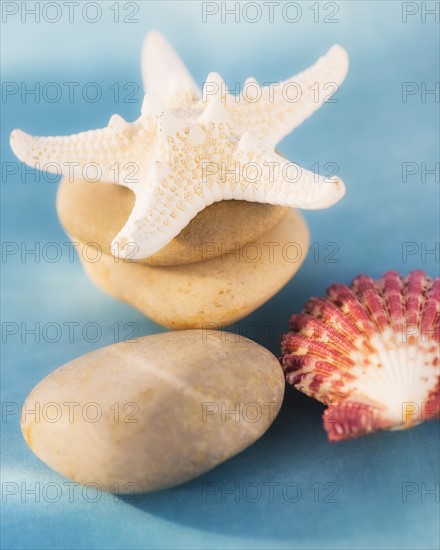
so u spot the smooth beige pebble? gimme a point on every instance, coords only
(148, 415)
(219, 291)
(95, 212)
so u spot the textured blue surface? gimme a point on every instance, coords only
(368, 493)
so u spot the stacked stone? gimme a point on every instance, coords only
(230, 259)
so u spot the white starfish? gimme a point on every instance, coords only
(188, 150)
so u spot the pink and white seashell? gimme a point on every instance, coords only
(370, 352)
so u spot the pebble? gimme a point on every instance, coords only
(150, 414)
(96, 211)
(219, 291)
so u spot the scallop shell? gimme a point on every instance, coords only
(370, 352)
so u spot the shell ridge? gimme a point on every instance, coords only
(378, 371)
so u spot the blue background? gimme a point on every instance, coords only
(369, 133)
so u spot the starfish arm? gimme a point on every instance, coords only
(164, 74)
(269, 178)
(277, 109)
(109, 154)
(162, 209)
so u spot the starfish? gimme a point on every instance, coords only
(190, 148)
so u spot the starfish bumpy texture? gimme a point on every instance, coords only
(189, 148)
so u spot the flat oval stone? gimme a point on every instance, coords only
(220, 290)
(96, 211)
(154, 413)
